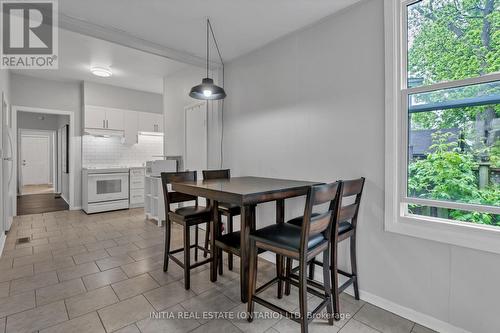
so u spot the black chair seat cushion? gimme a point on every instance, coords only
(193, 212)
(231, 208)
(343, 226)
(284, 235)
(233, 239)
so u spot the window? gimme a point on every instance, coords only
(444, 113)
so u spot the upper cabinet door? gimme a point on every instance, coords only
(131, 127)
(150, 122)
(115, 119)
(95, 117)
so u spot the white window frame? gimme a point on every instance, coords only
(477, 236)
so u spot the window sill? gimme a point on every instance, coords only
(474, 236)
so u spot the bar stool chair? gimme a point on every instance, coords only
(344, 227)
(226, 209)
(187, 217)
(302, 244)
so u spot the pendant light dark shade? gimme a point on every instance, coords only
(207, 90)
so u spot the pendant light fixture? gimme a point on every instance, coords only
(207, 90)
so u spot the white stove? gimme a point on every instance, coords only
(105, 189)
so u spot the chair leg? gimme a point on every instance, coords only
(187, 258)
(252, 281)
(328, 287)
(354, 266)
(207, 236)
(229, 230)
(311, 269)
(288, 272)
(196, 243)
(279, 274)
(221, 262)
(219, 251)
(303, 296)
(167, 243)
(334, 280)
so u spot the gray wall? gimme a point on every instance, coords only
(122, 98)
(35, 92)
(311, 106)
(176, 98)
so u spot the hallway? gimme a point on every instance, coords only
(40, 203)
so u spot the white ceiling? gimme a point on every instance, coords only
(131, 68)
(240, 25)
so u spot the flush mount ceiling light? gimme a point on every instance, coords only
(207, 90)
(101, 71)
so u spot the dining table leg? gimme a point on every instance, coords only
(214, 227)
(280, 264)
(246, 225)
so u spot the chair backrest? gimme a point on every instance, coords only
(349, 212)
(172, 197)
(217, 174)
(322, 223)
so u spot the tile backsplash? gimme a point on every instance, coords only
(99, 151)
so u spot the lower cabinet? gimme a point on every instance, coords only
(136, 184)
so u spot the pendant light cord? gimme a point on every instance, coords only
(209, 27)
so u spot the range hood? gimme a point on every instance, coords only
(150, 133)
(103, 133)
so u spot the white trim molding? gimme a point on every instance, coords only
(476, 236)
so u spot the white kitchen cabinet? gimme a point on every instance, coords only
(151, 122)
(131, 126)
(115, 119)
(94, 117)
(137, 187)
(104, 118)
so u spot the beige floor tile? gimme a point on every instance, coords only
(122, 249)
(59, 291)
(5, 263)
(101, 279)
(16, 303)
(143, 266)
(18, 253)
(382, 320)
(112, 262)
(171, 325)
(100, 245)
(259, 324)
(37, 319)
(135, 308)
(85, 324)
(49, 247)
(77, 271)
(128, 329)
(90, 301)
(2, 325)
(70, 251)
(354, 326)
(217, 326)
(316, 326)
(33, 282)
(90, 256)
(200, 282)
(33, 242)
(134, 286)
(4, 289)
(16, 273)
(147, 252)
(211, 300)
(169, 295)
(54, 264)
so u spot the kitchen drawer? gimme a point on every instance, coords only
(136, 196)
(139, 172)
(136, 183)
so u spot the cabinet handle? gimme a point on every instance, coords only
(103, 123)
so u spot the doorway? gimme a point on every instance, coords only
(43, 180)
(37, 153)
(196, 137)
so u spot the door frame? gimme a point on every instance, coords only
(186, 109)
(52, 136)
(72, 146)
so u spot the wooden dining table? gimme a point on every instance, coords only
(246, 192)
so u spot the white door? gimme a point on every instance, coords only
(115, 119)
(196, 138)
(35, 159)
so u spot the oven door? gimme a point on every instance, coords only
(107, 187)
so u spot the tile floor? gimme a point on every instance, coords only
(103, 273)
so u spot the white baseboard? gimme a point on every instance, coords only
(410, 314)
(3, 237)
